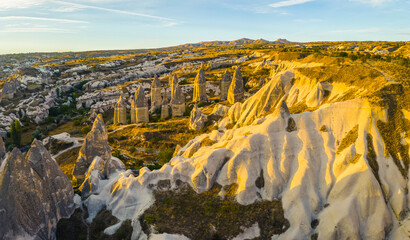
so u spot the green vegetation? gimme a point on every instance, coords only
(349, 139)
(15, 132)
(207, 216)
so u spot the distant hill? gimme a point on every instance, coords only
(242, 41)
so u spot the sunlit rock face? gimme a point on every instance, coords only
(155, 94)
(236, 89)
(200, 88)
(197, 119)
(141, 106)
(95, 144)
(225, 83)
(178, 102)
(328, 166)
(34, 195)
(164, 109)
(120, 111)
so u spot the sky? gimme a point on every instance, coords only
(80, 25)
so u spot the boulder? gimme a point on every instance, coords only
(200, 88)
(95, 144)
(197, 119)
(120, 111)
(225, 83)
(236, 89)
(34, 195)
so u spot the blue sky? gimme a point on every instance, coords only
(77, 25)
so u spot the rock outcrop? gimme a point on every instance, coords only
(197, 119)
(2, 150)
(200, 88)
(95, 144)
(165, 109)
(236, 89)
(98, 170)
(10, 88)
(225, 83)
(34, 195)
(178, 102)
(120, 112)
(173, 85)
(155, 94)
(133, 120)
(141, 106)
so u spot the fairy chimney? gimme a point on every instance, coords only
(141, 106)
(155, 94)
(120, 111)
(200, 88)
(225, 83)
(236, 89)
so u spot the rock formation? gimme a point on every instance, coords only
(9, 88)
(2, 150)
(120, 112)
(133, 111)
(97, 171)
(141, 106)
(34, 195)
(197, 119)
(156, 99)
(236, 89)
(200, 88)
(225, 83)
(173, 85)
(178, 103)
(164, 109)
(95, 144)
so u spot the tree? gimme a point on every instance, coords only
(15, 132)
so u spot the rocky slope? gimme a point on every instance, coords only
(334, 154)
(34, 195)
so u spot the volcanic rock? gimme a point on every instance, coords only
(34, 195)
(120, 112)
(200, 88)
(95, 144)
(225, 83)
(236, 89)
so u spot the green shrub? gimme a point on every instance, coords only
(77, 122)
(165, 155)
(85, 129)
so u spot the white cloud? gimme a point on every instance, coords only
(12, 4)
(166, 21)
(288, 3)
(12, 18)
(372, 2)
(34, 30)
(367, 30)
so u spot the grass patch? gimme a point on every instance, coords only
(66, 161)
(349, 139)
